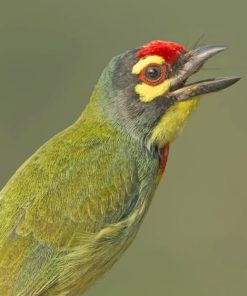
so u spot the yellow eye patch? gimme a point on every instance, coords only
(144, 62)
(146, 91)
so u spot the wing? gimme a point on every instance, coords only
(70, 188)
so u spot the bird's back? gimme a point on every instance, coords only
(70, 210)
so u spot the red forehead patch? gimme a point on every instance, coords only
(170, 51)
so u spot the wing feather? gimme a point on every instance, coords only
(68, 189)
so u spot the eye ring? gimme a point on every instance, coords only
(153, 74)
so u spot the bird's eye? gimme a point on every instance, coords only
(153, 74)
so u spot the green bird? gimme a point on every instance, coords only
(76, 204)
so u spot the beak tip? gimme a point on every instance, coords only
(232, 80)
(193, 62)
(219, 84)
(217, 47)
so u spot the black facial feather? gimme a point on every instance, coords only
(126, 108)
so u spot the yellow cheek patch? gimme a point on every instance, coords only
(144, 62)
(148, 92)
(172, 122)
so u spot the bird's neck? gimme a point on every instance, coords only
(100, 126)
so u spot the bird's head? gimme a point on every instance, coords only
(144, 90)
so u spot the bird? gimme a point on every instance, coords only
(73, 208)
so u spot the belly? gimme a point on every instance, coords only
(98, 253)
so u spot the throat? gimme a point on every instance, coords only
(172, 122)
(164, 152)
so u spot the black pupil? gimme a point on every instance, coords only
(153, 73)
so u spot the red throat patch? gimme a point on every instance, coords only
(164, 156)
(170, 51)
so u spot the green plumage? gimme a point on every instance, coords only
(73, 208)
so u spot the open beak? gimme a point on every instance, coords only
(190, 63)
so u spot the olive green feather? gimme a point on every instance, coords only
(72, 208)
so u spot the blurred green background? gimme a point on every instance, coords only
(194, 239)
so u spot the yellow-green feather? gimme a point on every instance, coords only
(172, 122)
(71, 209)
